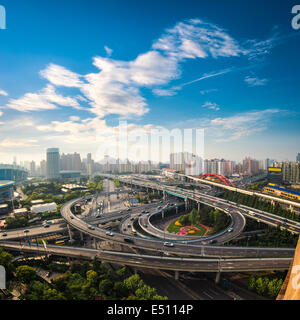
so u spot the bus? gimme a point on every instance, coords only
(60, 243)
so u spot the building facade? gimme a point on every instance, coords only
(53, 163)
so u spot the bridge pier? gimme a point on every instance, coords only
(69, 231)
(176, 275)
(186, 204)
(218, 277)
(199, 206)
(163, 214)
(81, 236)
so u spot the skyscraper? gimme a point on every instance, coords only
(52, 163)
(298, 157)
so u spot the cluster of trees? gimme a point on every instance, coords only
(96, 185)
(216, 219)
(273, 237)
(16, 222)
(258, 186)
(255, 202)
(265, 286)
(82, 281)
(117, 183)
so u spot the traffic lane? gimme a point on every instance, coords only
(33, 231)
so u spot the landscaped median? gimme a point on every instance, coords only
(204, 223)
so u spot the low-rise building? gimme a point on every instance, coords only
(20, 212)
(46, 207)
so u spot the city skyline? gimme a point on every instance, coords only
(196, 68)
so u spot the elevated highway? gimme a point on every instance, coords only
(157, 262)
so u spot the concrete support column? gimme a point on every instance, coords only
(176, 275)
(218, 277)
(199, 206)
(95, 243)
(81, 236)
(69, 231)
(163, 214)
(176, 210)
(186, 203)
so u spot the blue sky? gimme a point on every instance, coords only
(70, 70)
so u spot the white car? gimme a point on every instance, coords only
(168, 244)
(108, 233)
(230, 230)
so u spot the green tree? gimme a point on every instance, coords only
(25, 274)
(106, 286)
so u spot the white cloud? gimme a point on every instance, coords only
(254, 81)
(195, 38)
(61, 76)
(108, 51)
(211, 105)
(241, 125)
(203, 92)
(3, 93)
(46, 99)
(164, 92)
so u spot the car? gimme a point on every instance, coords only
(4, 234)
(131, 219)
(72, 217)
(128, 209)
(129, 225)
(143, 211)
(168, 244)
(109, 233)
(146, 211)
(184, 242)
(134, 233)
(91, 227)
(124, 229)
(230, 230)
(26, 231)
(46, 226)
(145, 225)
(212, 241)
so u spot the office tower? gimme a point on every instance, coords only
(32, 168)
(43, 166)
(52, 163)
(89, 164)
(298, 157)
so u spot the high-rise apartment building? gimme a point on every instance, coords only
(298, 157)
(53, 163)
(291, 172)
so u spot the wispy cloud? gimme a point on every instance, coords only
(203, 92)
(46, 99)
(211, 105)
(3, 93)
(241, 125)
(254, 81)
(108, 51)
